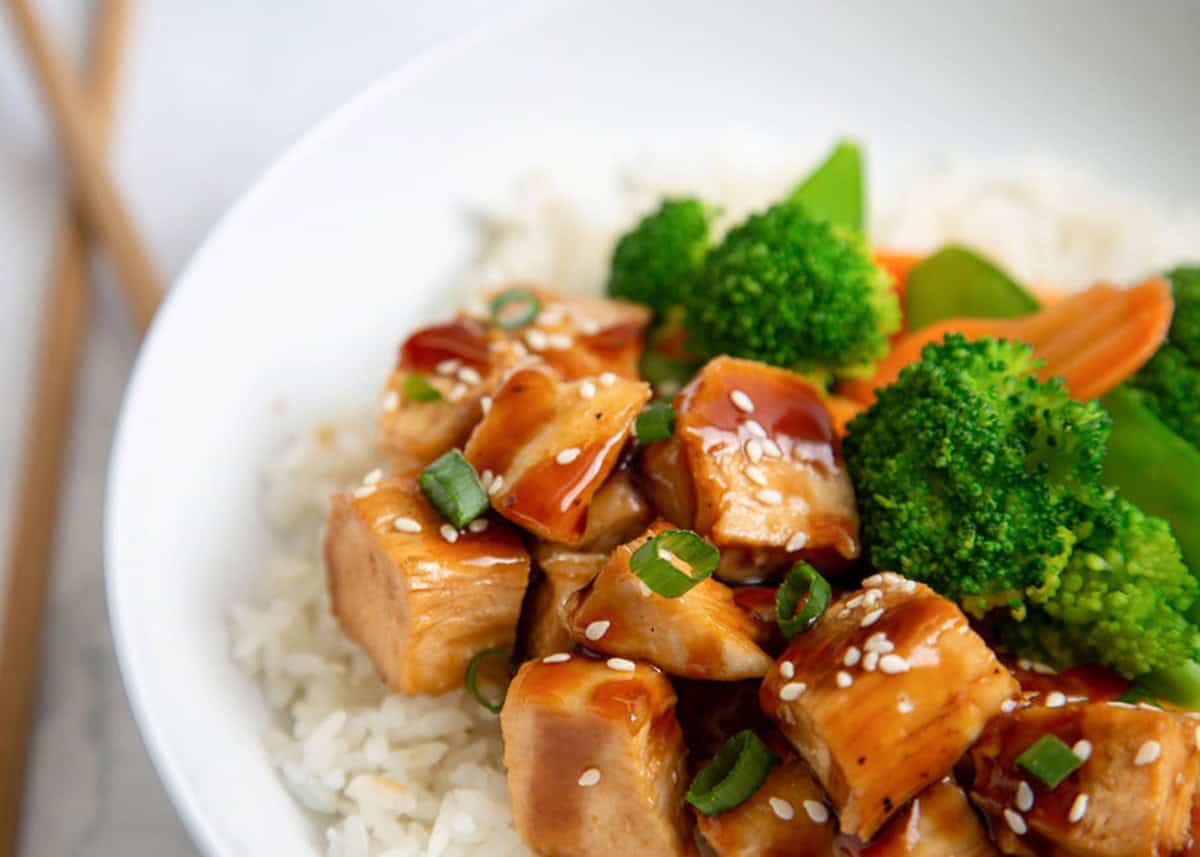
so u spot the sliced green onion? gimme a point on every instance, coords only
(513, 309)
(737, 771)
(418, 389)
(655, 423)
(472, 680)
(652, 562)
(805, 589)
(666, 374)
(1050, 760)
(453, 489)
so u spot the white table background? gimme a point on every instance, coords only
(212, 92)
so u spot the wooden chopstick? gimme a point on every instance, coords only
(63, 325)
(99, 201)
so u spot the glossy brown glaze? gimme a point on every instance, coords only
(939, 822)
(463, 339)
(1082, 684)
(712, 712)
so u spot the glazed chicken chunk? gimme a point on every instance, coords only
(434, 397)
(564, 572)
(595, 759)
(702, 634)
(420, 605)
(547, 445)
(1132, 796)
(787, 815)
(939, 822)
(765, 461)
(883, 695)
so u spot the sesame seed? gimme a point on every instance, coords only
(645, 590)
(910, 586)
(872, 596)
(879, 643)
(792, 690)
(364, 491)
(742, 402)
(1116, 703)
(782, 809)
(1043, 669)
(796, 542)
(756, 429)
(536, 340)
(1083, 749)
(485, 402)
(853, 656)
(391, 401)
(1056, 699)
(457, 392)
(817, 811)
(771, 448)
(893, 664)
(478, 525)
(870, 661)
(754, 450)
(588, 327)
(1015, 822)
(587, 388)
(551, 314)
(568, 455)
(844, 679)
(373, 477)
(448, 367)
(607, 379)
(559, 341)
(1008, 706)
(1198, 737)
(756, 475)
(468, 375)
(497, 484)
(407, 525)
(872, 617)
(1024, 797)
(1078, 808)
(485, 478)
(856, 601)
(449, 533)
(873, 580)
(1148, 753)
(556, 658)
(595, 630)
(787, 669)
(621, 665)
(904, 705)
(1073, 699)
(589, 777)
(769, 496)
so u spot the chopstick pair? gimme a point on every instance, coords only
(83, 122)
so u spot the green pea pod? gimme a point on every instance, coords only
(957, 283)
(1154, 468)
(834, 190)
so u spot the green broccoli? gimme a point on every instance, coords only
(1122, 601)
(975, 477)
(794, 291)
(1171, 378)
(657, 262)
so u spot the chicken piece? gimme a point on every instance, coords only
(584, 337)
(758, 602)
(564, 571)
(546, 446)
(1079, 684)
(595, 759)
(463, 361)
(617, 513)
(1139, 781)
(419, 605)
(765, 460)
(668, 480)
(701, 634)
(788, 815)
(883, 695)
(939, 822)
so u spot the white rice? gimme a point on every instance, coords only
(420, 777)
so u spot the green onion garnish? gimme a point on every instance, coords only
(473, 677)
(513, 309)
(453, 489)
(1050, 760)
(665, 373)
(735, 773)
(417, 389)
(656, 422)
(652, 562)
(802, 586)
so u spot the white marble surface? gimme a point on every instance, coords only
(213, 92)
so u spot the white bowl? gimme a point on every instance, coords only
(301, 293)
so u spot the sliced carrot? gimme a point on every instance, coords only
(898, 265)
(842, 409)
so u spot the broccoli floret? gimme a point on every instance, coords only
(975, 477)
(1171, 378)
(1122, 601)
(794, 291)
(657, 262)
